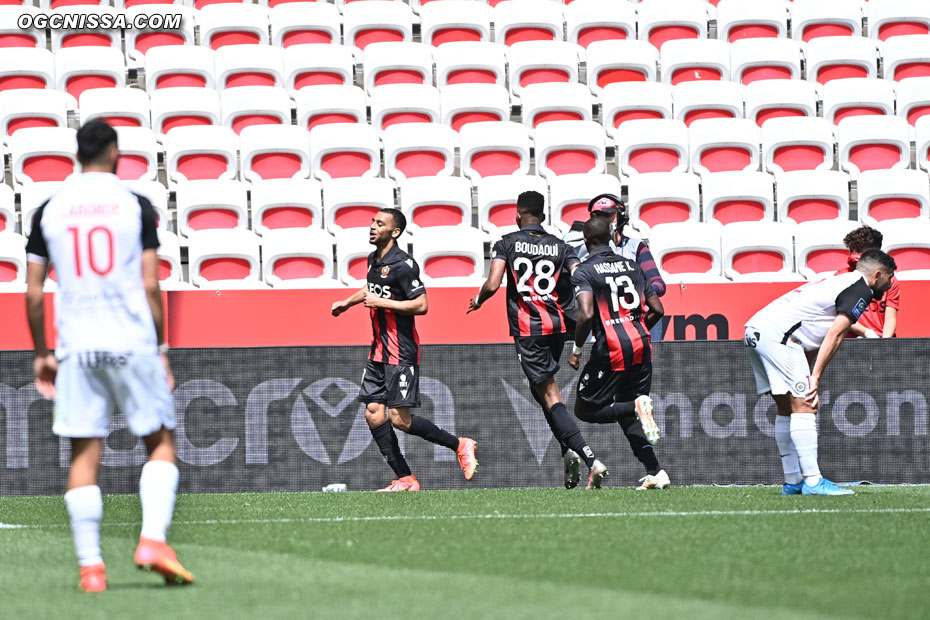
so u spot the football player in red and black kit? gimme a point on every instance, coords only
(391, 381)
(613, 295)
(536, 264)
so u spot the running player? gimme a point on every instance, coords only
(536, 262)
(812, 317)
(881, 319)
(612, 294)
(391, 380)
(111, 352)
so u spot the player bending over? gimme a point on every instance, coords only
(536, 263)
(391, 380)
(108, 312)
(881, 319)
(812, 317)
(615, 383)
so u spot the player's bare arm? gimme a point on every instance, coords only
(415, 307)
(831, 344)
(891, 322)
(153, 296)
(358, 297)
(45, 364)
(490, 286)
(585, 301)
(655, 310)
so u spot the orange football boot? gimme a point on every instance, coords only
(407, 483)
(466, 453)
(94, 578)
(152, 555)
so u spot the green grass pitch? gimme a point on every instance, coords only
(689, 553)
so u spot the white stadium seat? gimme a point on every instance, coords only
(819, 249)
(730, 197)
(652, 145)
(759, 252)
(345, 150)
(611, 62)
(212, 205)
(627, 101)
(305, 23)
(685, 60)
(286, 203)
(418, 150)
(26, 68)
(42, 154)
(797, 143)
(81, 68)
(694, 101)
(832, 58)
(589, 21)
(491, 149)
(907, 243)
(351, 203)
(497, 201)
(540, 62)
(398, 63)
(662, 198)
(120, 107)
(404, 103)
(369, 22)
(318, 65)
(688, 252)
(906, 57)
(274, 152)
(811, 195)
(138, 154)
(461, 104)
(22, 108)
(470, 62)
(86, 37)
(857, 97)
(661, 21)
(173, 66)
(225, 259)
(873, 143)
(435, 201)
(157, 194)
(298, 258)
(922, 144)
(254, 105)
(740, 19)
(542, 103)
(201, 152)
(569, 195)
(722, 144)
(140, 41)
(184, 106)
(453, 21)
(913, 99)
(889, 19)
(570, 147)
(233, 24)
(521, 21)
(893, 195)
(754, 60)
(450, 256)
(768, 99)
(249, 65)
(811, 19)
(337, 103)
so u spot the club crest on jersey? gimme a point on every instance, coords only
(409, 262)
(860, 308)
(415, 283)
(402, 383)
(384, 271)
(799, 387)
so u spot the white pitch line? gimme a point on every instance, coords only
(11, 526)
(478, 517)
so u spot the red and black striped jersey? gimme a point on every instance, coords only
(394, 338)
(536, 266)
(620, 290)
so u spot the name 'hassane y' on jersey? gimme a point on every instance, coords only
(535, 261)
(620, 290)
(93, 231)
(394, 338)
(807, 312)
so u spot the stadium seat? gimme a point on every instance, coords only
(173, 66)
(28, 107)
(24, 67)
(894, 18)
(304, 23)
(662, 198)
(201, 152)
(739, 20)
(298, 258)
(224, 259)
(274, 152)
(286, 203)
(199, 4)
(157, 194)
(324, 105)
(31, 198)
(913, 99)
(140, 40)
(398, 63)
(81, 37)
(857, 97)
(908, 243)
(403, 103)
(8, 216)
(832, 58)
(491, 149)
(345, 150)
(570, 147)
(922, 144)
(688, 60)
(540, 62)
(351, 203)
(569, 195)
(318, 65)
(661, 21)
(138, 154)
(11, 35)
(652, 145)
(543, 103)
(797, 143)
(588, 21)
(873, 143)
(819, 248)
(810, 195)
(246, 106)
(738, 197)
(170, 270)
(610, 62)
(183, 107)
(688, 252)
(811, 19)
(435, 201)
(450, 256)
(470, 62)
(419, 150)
(722, 144)
(233, 24)
(460, 104)
(212, 204)
(452, 21)
(41, 154)
(249, 65)
(352, 250)
(699, 100)
(12, 262)
(81, 68)
(767, 99)
(629, 101)
(754, 60)
(759, 252)
(907, 57)
(497, 201)
(370, 21)
(893, 195)
(521, 21)
(120, 107)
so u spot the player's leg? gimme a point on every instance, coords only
(374, 394)
(790, 463)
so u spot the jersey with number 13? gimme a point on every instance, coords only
(536, 264)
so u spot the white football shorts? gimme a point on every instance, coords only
(91, 385)
(778, 368)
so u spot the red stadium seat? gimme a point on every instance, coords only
(730, 197)
(811, 195)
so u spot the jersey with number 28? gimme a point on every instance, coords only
(93, 231)
(536, 262)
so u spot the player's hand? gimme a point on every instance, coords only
(574, 361)
(46, 369)
(168, 374)
(339, 307)
(870, 333)
(812, 398)
(373, 301)
(473, 304)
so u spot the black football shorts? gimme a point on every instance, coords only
(395, 386)
(599, 385)
(539, 355)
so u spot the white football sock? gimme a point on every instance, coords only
(158, 488)
(804, 438)
(789, 456)
(85, 506)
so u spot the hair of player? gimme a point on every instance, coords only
(597, 231)
(532, 203)
(397, 217)
(94, 140)
(873, 259)
(862, 239)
